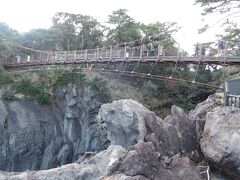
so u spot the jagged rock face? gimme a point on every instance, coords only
(127, 121)
(147, 146)
(35, 136)
(140, 162)
(143, 161)
(199, 113)
(90, 168)
(220, 141)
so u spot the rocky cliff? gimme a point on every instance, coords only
(120, 140)
(35, 136)
(142, 145)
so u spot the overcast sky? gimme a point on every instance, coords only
(24, 15)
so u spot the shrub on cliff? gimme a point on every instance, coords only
(100, 89)
(63, 77)
(5, 78)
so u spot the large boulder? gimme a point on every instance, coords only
(220, 140)
(143, 161)
(126, 121)
(199, 113)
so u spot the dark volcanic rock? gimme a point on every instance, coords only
(143, 162)
(90, 168)
(199, 113)
(142, 145)
(220, 141)
(35, 136)
(127, 121)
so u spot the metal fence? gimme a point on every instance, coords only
(232, 93)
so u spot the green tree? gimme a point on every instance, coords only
(232, 37)
(76, 31)
(125, 28)
(161, 33)
(41, 39)
(6, 50)
(230, 8)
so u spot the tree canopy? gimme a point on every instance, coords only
(77, 31)
(222, 6)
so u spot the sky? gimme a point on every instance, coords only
(24, 15)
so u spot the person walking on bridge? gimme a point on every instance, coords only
(221, 47)
(18, 58)
(160, 50)
(151, 49)
(196, 54)
(203, 51)
(127, 49)
(144, 49)
(28, 58)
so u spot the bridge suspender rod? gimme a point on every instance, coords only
(134, 69)
(129, 73)
(224, 66)
(175, 67)
(158, 52)
(156, 77)
(152, 68)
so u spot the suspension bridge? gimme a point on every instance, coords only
(119, 55)
(112, 55)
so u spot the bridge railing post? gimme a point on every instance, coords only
(97, 54)
(75, 56)
(40, 56)
(125, 51)
(178, 58)
(86, 55)
(33, 56)
(141, 53)
(110, 53)
(106, 53)
(200, 53)
(48, 56)
(161, 51)
(65, 56)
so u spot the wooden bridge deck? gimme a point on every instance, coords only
(149, 59)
